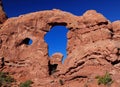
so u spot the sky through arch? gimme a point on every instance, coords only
(56, 39)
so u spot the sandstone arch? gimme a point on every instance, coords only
(93, 46)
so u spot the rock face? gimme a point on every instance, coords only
(3, 16)
(93, 49)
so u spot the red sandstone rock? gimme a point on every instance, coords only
(93, 49)
(3, 16)
(56, 58)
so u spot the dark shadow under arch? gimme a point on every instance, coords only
(56, 39)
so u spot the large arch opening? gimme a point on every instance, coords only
(56, 39)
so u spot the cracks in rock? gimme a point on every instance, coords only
(98, 24)
(77, 77)
(93, 53)
(115, 62)
(107, 60)
(102, 23)
(118, 52)
(56, 24)
(112, 33)
(78, 64)
(20, 63)
(0, 41)
(71, 68)
(88, 57)
(2, 62)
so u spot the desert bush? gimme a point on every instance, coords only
(26, 83)
(5, 79)
(106, 79)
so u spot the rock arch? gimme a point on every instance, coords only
(93, 43)
(34, 26)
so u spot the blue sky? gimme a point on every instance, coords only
(109, 8)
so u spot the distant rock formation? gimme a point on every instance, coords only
(3, 16)
(93, 49)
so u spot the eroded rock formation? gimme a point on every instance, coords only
(3, 16)
(93, 49)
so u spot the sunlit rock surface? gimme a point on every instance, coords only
(93, 49)
(3, 16)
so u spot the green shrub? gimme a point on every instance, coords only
(5, 79)
(106, 79)
(26, 83)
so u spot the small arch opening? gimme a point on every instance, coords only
(56, 39)
(27, 41)
(52, 68)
